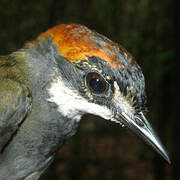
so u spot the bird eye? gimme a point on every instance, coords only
(96, 83)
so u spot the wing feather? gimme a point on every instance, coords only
(15, 103)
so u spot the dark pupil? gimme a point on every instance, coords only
(96, 84)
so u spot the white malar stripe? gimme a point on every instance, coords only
(71, 104)
(121, 101)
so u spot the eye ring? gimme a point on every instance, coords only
(96, 83)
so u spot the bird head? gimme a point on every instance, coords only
(98, 76)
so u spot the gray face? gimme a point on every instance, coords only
(114, 89)
(92, 86)
(128, 79)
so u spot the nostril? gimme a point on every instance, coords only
(139, 122)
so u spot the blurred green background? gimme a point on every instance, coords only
(150, 31)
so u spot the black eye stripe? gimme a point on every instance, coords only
(96, 83)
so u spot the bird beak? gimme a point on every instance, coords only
(141, 127)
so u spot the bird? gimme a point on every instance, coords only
(51, 82)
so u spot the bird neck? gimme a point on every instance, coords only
(42, 68)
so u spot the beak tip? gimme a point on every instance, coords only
(161, 150)
(166, 157)
(158, 147)
(169, 161)
(146, 133)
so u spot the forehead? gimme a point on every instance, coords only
(76, 42)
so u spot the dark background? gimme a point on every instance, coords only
(150, 31)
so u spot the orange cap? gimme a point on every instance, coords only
(76, 42)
